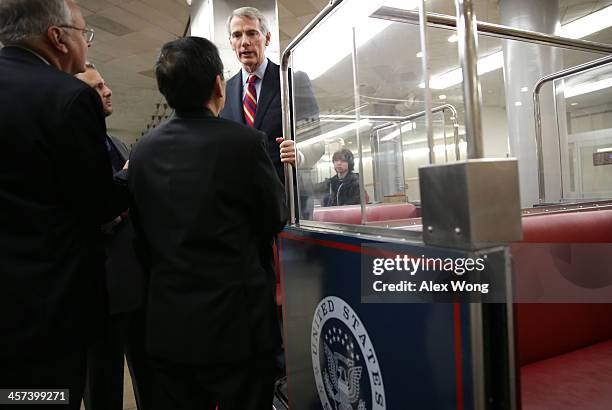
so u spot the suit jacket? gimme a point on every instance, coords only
(205, 194)
(124, 277)
(56, 189)
(268, 116)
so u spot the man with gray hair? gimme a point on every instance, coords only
(56, 189)
(253, 94)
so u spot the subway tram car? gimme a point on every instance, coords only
(451, 229)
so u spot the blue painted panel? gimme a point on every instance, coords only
(412, 363)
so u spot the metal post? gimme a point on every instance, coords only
(287, 133)
(468, 55)
(357, 92)
(427, 91)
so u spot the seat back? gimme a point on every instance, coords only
(545, 330)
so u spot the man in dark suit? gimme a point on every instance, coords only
(205, 195)
(249, 35)
(125, 282)
(56, 189)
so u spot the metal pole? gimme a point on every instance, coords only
(494, 30)
(538, 114)
(468, 55)
(357, 92)
(426, 70)
(287, 133)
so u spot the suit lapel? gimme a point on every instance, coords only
(269, 88)
(236, 101)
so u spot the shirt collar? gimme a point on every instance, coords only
(259, 72)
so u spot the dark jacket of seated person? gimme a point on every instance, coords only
(342, 188)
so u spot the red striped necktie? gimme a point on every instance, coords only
(249, 104)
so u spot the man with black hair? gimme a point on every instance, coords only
(342, 188)
(212, 329)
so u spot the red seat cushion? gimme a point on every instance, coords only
(579, 380)
(549, 329)
(351, 214)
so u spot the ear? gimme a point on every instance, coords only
(56, 37)
(219, 87)
(268, 36)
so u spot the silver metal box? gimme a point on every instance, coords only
(471, 204)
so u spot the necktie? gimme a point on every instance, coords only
(249, 104)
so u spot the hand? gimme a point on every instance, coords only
(126, 164)
(287, 151)
(107, 228)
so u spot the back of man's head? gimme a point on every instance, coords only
(186, 71)
(26, 20)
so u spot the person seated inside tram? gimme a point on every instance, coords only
(342, 188)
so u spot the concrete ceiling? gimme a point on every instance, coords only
(129, 35)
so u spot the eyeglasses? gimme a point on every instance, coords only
(88, 33)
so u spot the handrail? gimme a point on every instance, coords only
(419, 114)
(538, 115)
(284, 80)
(495, 30)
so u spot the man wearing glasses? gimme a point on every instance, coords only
(56, 189)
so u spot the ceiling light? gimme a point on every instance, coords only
(419, 54)
(334, 133)
(335, 32)
(442, 96)
(589, 24)
(518, 103)
(524, 89)
(586, 88)
(579, 28)
(574, 104)
(486, 64)
(453, 38)
(609, 149)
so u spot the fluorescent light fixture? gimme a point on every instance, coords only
(574, 104)
(335, 34)
(518, 103)
(486, 64)
(589, 24)
(586, 88)
(579, 28)
(524, 89)
(453, 38)
(442, 96)
(609, 149)
(333, 133)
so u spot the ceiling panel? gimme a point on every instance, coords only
(122, 56)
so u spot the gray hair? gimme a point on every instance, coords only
(22, 20)
(250, 13)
